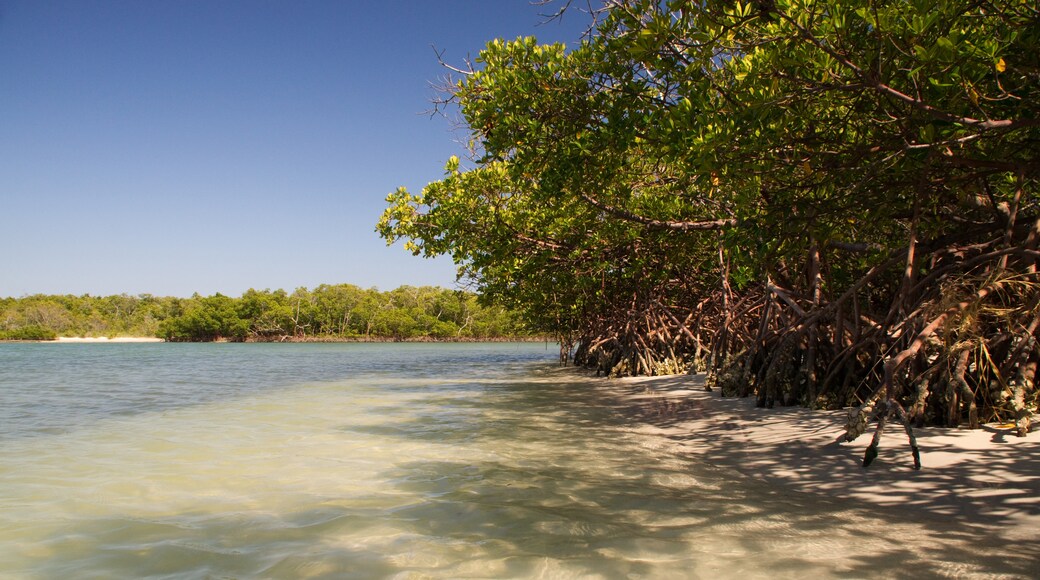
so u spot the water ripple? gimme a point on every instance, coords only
(372, 461)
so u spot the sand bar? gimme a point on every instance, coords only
(988, 476)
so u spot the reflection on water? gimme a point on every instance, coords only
(370, 461)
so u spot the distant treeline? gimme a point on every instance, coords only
(329, 312)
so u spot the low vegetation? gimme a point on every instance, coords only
(328, 312)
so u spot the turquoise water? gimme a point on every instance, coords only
(395, 461)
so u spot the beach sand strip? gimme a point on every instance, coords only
(987, 476)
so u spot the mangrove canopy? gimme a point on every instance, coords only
(828, 203)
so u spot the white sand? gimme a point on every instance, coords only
(987, 476)
(106, 339)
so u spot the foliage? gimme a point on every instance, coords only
(815, 200)
(205, 319)
(329, 312)
(31, 332)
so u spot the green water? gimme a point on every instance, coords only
(396, 461)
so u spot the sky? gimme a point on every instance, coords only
(174, 147)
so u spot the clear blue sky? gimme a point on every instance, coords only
(172, 147)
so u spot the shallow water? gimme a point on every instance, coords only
(406, 461)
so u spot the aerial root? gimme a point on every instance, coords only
(885, 410)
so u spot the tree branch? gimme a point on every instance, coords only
(659, 224)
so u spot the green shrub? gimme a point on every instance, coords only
(32, 332)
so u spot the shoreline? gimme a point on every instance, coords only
(316, 340)
(988, 477)
(357, 339)
(104, 339)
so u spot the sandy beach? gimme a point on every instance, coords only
(107, 339)
(988, 477)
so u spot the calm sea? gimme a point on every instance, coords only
(393, 461)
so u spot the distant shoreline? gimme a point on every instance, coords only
(152, 339)
(302, 339)
(105, 339)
